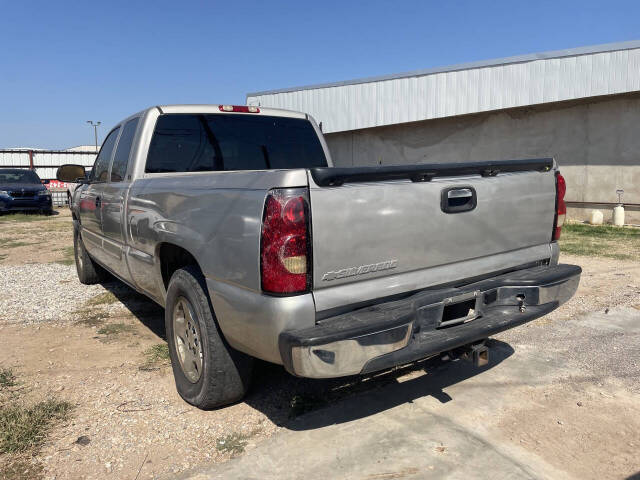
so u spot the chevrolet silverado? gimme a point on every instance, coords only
(234, 219)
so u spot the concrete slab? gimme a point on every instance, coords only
(448, 420)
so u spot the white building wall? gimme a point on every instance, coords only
(465, 89)
(46, 162)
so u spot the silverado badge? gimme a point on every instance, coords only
(361, 270)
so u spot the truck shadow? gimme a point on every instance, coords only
(148, 312)
(305, 404)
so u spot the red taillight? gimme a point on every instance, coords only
(285, 248)
(561, 207)
(239, 108)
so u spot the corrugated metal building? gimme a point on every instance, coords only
(45, 162)
(581, 106)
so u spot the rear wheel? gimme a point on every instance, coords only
(89, 272)
(208, 372)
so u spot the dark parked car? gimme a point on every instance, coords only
(21, 190)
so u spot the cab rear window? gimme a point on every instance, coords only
(215, 142)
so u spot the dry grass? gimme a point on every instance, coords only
(68, 256)
(7, 378)
(233, 444)
(23, 218)
(157, 353)
(622, 243)
(12, 243)
(24, 428)
(90, 317)
(155, 357)
(116, 329)
(105, 298)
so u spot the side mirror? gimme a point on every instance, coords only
(71, 173)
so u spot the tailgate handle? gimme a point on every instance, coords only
(458, 199)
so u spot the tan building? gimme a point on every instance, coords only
(580, 106)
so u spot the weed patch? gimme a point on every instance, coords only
(621, 243)
(12, 243)
(601, 231)
(116, 329)
(234, 443)
(588, 249)
(24, 428)
(68, 256)
(91, 318)
(155, 356)
(22, 218)
(7, 378)
(105, 298)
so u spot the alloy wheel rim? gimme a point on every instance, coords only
(186, 331)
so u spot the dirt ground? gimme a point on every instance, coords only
(103, 354)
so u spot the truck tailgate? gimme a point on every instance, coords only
(382, 236)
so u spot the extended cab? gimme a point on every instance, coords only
(235, 221)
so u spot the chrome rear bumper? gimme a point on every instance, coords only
(425, 324)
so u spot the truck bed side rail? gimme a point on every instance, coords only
(334, 176)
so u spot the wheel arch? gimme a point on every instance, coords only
(172, 257)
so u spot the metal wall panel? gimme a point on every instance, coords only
(481, 87)
(8, 158)
(46, 162)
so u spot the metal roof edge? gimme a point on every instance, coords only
(44, 151)
(569, 52)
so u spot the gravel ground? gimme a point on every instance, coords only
(42, 292)
(588, 328)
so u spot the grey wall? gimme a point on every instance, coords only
(596, 144)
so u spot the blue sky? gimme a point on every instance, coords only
(62, 63)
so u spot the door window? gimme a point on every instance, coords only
(121, 158)
(101, 167)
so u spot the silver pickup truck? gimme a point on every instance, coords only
(235, 221)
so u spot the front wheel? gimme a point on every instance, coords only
(208, 372)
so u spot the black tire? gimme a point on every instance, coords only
(89, 272)
(225, 373)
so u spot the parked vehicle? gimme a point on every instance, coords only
(22, 190)
(235, 221)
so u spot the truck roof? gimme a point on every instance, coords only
(215, 108)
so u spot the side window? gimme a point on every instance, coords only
(121, 158)
(101, 167)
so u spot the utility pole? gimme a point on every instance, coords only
(95, 126)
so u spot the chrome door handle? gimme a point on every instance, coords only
(459, 193)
